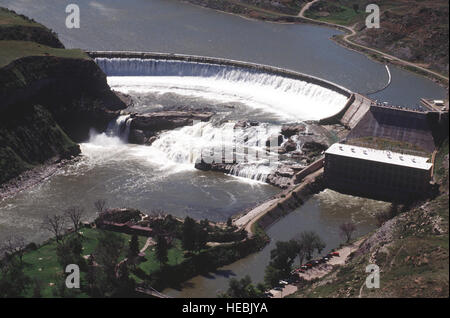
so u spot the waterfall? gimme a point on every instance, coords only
(246, 147)
(120, 127)
(258, 172)
(292, 99)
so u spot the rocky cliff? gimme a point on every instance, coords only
(49, 98)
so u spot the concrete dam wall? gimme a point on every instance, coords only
(402, 125)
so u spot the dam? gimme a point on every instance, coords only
(292, 95)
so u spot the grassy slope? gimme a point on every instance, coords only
(8, 18)
(13, 50)
(339, 12)
(413, 257)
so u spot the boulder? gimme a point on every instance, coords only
(151, 140)
(154, 122)
(136, 137)
(289, 145)
(314, 147)
(291, 130)
(220, 167)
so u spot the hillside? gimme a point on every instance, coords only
(257, 9)
(411, 250)
(413, 30)
(50, 96)
(19, 27)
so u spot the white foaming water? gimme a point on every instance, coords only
(188, 145)
(289, 99)
(178, 150)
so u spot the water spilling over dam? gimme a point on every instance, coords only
(232, 90)
(289, 95)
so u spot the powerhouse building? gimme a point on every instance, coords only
(376, 173)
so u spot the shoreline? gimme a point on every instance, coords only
(338, 39)
(33, 177)
(345, 252)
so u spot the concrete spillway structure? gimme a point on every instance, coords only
(298, 96)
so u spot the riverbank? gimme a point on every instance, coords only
(254, 12)
(33, 177)
(342, 256)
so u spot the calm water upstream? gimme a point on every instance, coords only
(175, 27)
(162, 176)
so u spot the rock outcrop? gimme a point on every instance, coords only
(145, 127)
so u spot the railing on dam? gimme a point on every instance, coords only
(227, 62)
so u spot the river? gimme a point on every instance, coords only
(162, 176)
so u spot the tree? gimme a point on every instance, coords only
(74, 214)
(109, 248)
(201, 238)
(69, 252)
(355, 7)
(347, 230)
(189, 234)
(161, 249)
(309, 242)
(37, 287)
(281, 260)
(125, 285)
(13, 280)
(54, 224)
(272, 276)
(133, 247)
(13, 245)
(283, 256)
(100, 205)
(243, 288)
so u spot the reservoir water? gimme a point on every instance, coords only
(175, 27)
(162, 176)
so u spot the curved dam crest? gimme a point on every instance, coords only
(323, 97)
(225, 62)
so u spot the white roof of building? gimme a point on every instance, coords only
(383, 156)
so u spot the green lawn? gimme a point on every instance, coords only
(13, 50)
(42, 264)
(175, 255)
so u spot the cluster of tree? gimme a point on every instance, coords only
(243, 288)
(285, 253)
(194, 235)
(57, 223)
(105, 272)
